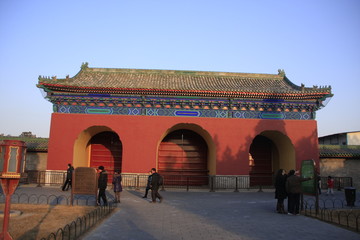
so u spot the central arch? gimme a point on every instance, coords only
(98, 145)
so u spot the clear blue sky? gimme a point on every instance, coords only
(315, 42)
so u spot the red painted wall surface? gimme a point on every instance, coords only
(140, 136)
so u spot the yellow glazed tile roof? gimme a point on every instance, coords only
(172, 82)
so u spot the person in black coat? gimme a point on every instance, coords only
(155, 184)
(148, 185)
(102, 184)
(68, 181)
(294, 191)
(280, 190)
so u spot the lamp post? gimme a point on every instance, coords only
(12, 163)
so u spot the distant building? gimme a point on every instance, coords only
(27, 135)
(36, 151)
(346, 138)
(340, 156)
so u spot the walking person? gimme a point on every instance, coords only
(330, 185)
(68, 181)
(293, 189)
(117, 186)
(102, 184)
(148, 185)
(155, 184)
(318, 179)
(280, 190)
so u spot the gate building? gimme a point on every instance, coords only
(186, 123)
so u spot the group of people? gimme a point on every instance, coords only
(102, 183)
(286, 186)
(289, 186)
(154, 182)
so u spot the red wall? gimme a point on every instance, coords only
(140, 136)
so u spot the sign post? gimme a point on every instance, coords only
(84, 182)
(310, 187)
(12, 164)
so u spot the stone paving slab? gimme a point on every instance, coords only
(204, 215)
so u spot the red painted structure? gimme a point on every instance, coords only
(141, 141)
(181, 122)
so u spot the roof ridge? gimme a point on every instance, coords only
(181, 72)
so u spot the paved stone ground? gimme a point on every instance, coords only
(201, 215)
(205, 215)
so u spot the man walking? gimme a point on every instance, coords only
(68, 181)
(102, 184)
(155, 183)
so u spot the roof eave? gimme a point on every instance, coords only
(167, 92)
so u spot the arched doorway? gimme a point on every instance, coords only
(182, 158)
(270, 151)
(106, 150)
(261, 158)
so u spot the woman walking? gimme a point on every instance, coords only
(117, 186)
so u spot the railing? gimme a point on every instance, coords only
(81, 225)
(80, 200)
(76, 228)
(43, 178)
(339, 182)
(211, 183)
(334, 211)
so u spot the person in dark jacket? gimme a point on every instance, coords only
(155, 184)
(318, 179)
(117, 186)
(102, 184)
(293, 189)
(280, 190)
(68, 181)
(148, 186)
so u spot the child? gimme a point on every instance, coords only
(117, 185)
(330, 184)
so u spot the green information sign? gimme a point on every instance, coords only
(308, 171)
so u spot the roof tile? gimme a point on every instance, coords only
(171, 80)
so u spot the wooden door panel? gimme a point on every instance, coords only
(184, 153)
(261, 152)
(106, 150)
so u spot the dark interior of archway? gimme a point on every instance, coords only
(261, 170)
(106, 150)
(182, 158)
